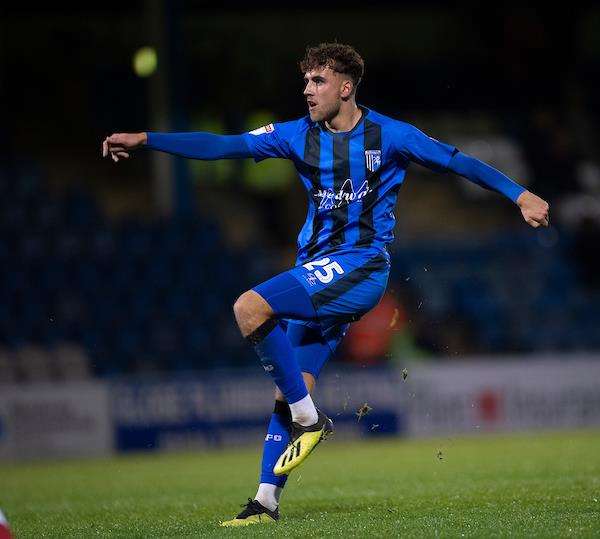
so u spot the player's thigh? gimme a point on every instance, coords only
(352, 304)
(331, 290)
(344, 285)
(287, 297)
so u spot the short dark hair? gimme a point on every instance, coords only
(336, 56)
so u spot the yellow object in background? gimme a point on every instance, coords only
(145, 61)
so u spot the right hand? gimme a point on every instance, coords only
(119, 145)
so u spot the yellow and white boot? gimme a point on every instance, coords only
(303, 441)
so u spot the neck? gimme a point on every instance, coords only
(346, 118)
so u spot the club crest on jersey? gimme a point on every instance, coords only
(264, 129)
(373, 159)
(310, 277)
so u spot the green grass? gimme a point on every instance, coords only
(522, 485)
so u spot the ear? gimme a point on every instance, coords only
(347, 89)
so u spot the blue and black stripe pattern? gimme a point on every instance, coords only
(341, 173)
(352, 178)
(312, 159)
(335, 184)
(349, 281)
(366, 226)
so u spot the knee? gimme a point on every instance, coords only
(250, 309)
(242, 308)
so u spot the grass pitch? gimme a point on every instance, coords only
(521, 485)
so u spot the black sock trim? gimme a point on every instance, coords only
(283, 409)
(261, 331)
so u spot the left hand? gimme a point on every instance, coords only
(534, 209)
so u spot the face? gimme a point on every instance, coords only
(324, 91)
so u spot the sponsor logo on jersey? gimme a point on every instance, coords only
(264, 129)
(328, 199)
(373, 159)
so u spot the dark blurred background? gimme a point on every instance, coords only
(109, 269)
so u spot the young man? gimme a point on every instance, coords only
(352, 161)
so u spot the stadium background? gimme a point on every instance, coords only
(141, 273)
(117, 281)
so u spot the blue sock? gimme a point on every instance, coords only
(276, 440)
(277, 357)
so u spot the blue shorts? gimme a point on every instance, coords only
(319, 298)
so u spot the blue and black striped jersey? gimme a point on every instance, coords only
(352, 178)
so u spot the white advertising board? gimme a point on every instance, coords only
(55, 420)
(513, 394)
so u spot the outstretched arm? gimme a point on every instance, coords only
(414, 145)
(266, 141)
(533, 208)
(200, 145)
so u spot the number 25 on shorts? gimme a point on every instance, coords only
(328, 268)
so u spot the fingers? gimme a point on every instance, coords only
(536, 222)
(544, 217)
(545, 220)
(109, 147)
(114, 147)
(119, 155)
(535, 210)
(537, 216)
